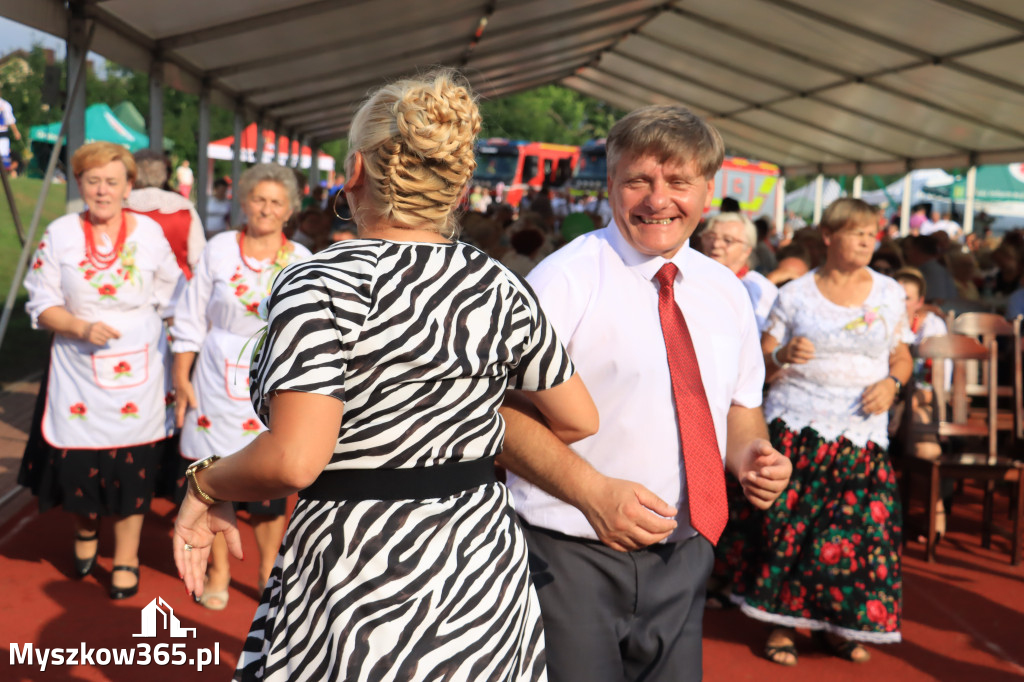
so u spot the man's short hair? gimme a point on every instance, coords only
(152, 169)
(220, 182)
(667, 132)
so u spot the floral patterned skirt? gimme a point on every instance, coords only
(826, 555)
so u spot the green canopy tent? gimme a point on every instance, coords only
(127, 113)
(993, 183)
(100, 124)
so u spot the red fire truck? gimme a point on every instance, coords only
(518, 165)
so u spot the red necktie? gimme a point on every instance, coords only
(705, 477)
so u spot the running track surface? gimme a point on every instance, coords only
(964, 616)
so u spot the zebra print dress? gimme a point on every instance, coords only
(420, 341)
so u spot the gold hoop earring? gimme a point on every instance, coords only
(335, 209)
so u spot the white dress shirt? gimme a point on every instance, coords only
(600, 295)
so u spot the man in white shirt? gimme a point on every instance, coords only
(8, 127)
(729, 238)
(631, 608)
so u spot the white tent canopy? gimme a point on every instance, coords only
(876, 86)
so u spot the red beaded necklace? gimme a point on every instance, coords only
(99, 260)
(241, 252)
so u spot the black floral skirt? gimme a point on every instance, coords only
(826, 555)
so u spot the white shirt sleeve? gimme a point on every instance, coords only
(43, 280)
(189, 329)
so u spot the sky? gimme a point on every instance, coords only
(15, 36)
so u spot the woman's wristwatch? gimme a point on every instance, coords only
(775, 358)
(899, 384)
(193, 484)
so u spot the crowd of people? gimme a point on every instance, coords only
(380, 350)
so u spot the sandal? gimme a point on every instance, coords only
(124, 592)
(775, 652)
(215, 601)
(845, 649)
(83, 567)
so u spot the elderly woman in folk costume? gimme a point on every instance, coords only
(216, 317)
(827, 557)
(101, 281)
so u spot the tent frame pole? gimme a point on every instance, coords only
(908, 186)
(77, 85)
(819, 191)
(203, 171)
(971, 191)
(236, 166)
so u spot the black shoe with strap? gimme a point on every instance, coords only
(124, 592)
(83, 567)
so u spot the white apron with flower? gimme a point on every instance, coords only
(217, 317)
(107, 396)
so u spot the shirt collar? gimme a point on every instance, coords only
(644, 265)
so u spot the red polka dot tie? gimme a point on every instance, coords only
(705, 476)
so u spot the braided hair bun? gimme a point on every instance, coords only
(417, 140)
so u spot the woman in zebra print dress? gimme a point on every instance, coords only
(403, 559)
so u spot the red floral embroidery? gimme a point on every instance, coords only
(88, 274)
(42, 245)
(234, 278)
(78, 411)
(882, 572)
(93, 471)
(850, 498)
(877, 612)
(203, 423)
(830, 554)
(250, 426)
(253, 308)
(878, 512)
(130, 410)
(169, 398)
(241, 289)
(107, 290)
(791, 498)
(122, 369)
(38, 264)
(837, 594)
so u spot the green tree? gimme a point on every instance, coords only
(550, 113)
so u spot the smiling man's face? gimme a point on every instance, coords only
(656, 204)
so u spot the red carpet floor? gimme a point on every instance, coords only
(964, 616)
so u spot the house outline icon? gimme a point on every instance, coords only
(170, 621)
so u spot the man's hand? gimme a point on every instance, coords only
(764, 473)
(626, 515)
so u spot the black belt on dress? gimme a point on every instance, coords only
(414, 483)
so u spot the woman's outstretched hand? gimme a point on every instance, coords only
(195, 528)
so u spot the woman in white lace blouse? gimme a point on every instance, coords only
(828, 556)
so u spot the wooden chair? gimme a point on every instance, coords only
(987, 327)
(954, 422)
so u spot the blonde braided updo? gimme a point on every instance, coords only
(417, 140)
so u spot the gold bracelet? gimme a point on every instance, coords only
(193, 484)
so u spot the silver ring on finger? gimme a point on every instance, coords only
(188, 547)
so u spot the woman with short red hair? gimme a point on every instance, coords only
(102, 281)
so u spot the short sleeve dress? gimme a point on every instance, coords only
(420, 342)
